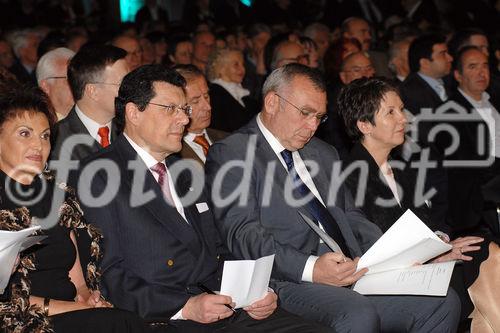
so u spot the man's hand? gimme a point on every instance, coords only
(336, 270)
(460, 245)
(205, 308)
(93, 299)
(263, 308)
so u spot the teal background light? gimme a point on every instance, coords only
(128, 9)
(247, 3)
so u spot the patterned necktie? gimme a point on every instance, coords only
(103, 132)
(203, 142)
(161, 171)
(442, 91)
(319, 212)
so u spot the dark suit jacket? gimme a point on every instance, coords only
(213, 135)
(22, 74)
(377, 188)
(72, 125)
(264, 223)
(471, 205)
(227, 114)
(144, 15)
(153, 259)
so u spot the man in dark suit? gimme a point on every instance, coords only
(149, 13)
(24, 45)
(198, 136)
(160, 244)
(94, 75)
(472, 188)
(256, 208)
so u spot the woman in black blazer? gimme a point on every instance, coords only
(232, 106)
(374, 117)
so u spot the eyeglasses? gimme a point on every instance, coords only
(176, 109)
(56, 77)
(307, 114)
(303, 58)
(359, 69)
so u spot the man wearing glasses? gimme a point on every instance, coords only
(162, 250)
(94, 75)
(274, 169)
(51, 75)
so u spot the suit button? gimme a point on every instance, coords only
(170, 262)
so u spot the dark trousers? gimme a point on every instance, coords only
(279, 322)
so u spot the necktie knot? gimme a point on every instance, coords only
(203, 142)
(160, 169)
(103, 132)
(287, 156)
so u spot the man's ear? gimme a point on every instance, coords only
(458, 76)
(271, 103)
(364, 127)
(424, 63)
(132, 114)
(91, 91)
(343, 77)
(44, 86)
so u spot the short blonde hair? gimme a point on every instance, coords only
(217, 60)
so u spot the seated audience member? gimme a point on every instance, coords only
(148, 51)
(198, 136)
(355, 66)
(255, 66)
(53, 40)
(6, 55)
(320, 34)
(358, 28)
(94, 75)
(398, 59)
(52, 77)
(149, 13)
(132, 47)
(335, 55)
(287, 52)
(160, 281)
(311, 50)
(158, 40)
(203, 45)
(180, 50)
(232, 106)
(307, 276)
(76, 39)
(375, 119)
(57, 282)
(24, 44)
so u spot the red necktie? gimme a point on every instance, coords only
(203, 142)
(161, 170)
(103, 132)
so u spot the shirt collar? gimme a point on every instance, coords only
(91, 125)
(234, 89)
(483, 103)
(431, 81)
(273, 141)
(191, 136)
(146, 157)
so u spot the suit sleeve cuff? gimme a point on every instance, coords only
(178, 316)
(307, 274)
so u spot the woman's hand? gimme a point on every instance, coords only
(93, 300)
(461, 245)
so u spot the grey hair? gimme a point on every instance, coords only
(312, 28)
(216, 60)
(282, 76)
(48, 62)
(19, 38)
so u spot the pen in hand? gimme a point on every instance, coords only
(208, 291)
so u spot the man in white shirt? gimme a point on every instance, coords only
(257, 210)
(198, 136)
(159, 246)
(94, 76)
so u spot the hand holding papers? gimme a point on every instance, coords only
(11, 243)
(391, 261)
(246, 281)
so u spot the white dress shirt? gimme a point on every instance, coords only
(188, 139)
(234, 89)
(91, 125)
(305, 176)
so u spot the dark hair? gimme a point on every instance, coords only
(175, 40)
(458, 59)
(188, 72)
(360, 100)
(53, 40)
(137, 87)
(20, 99)
(256, 28)
(88, 65)
(421, 47)
(461, 38)
(332, 60)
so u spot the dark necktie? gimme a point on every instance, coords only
(203, 142)
(161, 171)
(314, 206)
(103, 132)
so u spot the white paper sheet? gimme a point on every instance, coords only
(430, 279)
(11, 243)
(246, 281)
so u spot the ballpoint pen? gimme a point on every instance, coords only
(208, 291)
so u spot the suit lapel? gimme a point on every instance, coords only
(76, 126)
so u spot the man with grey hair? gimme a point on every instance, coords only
(320, 34)
(398, 59)
(51, 75)
(24, 44)
(281, 169)
(288, 52)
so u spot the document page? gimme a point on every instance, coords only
(430, 279)
(246, 281)
(11, 243)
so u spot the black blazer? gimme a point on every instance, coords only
(153, 259)
(73, 125)
(377, 188)
(227, 114)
